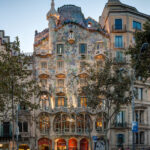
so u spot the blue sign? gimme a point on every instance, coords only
(134, 126)
(95, 138)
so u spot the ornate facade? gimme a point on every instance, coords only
(64, 121)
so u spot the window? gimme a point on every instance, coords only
(139, 116)
(100, 123)
(139, 138)
(44, 102)
(118, 24)
(60, 49)
(60, 82)
(118, 42)
(120, 139)
(120, 119)
(136, 25)
(43, 82)
(43, 65)
(44, 122)
(60, 65)
(82, 48)
(61, 101)
(119, 56)
(23, 126)
(139, 93)
(99, 45)
(83, 101)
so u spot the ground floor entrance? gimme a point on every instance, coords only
(24, 147)
(72, 144)
(61, 144)
(45, 144)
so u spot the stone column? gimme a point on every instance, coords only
(53, 144)
(78, 144)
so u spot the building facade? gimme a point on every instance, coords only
(64, 121)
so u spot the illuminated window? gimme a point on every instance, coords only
(61, 101)
(44, 123)
(83, 101)
(100, 123)
(44, 102)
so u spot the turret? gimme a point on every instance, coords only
(52, 17)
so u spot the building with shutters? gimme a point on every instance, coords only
(64, 121)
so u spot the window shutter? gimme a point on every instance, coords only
(79, 102)
(1, 129)
(65, 101)
(118, 24)
(56, 102)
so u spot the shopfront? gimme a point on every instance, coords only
(45, 144)
(61, 144)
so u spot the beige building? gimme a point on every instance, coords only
(121, 21)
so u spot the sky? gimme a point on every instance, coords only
(22, 17)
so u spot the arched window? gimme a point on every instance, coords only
(61, 123)
(100, 124)
(44, 102)
(44, 123)
(84, 123)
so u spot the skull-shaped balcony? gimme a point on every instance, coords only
(71, 37)
(99, 52)
(44, 73)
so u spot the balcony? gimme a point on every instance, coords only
(60, 90)
(99, 54)
(119, 125)
(118, 60)
(122, 30)
(43, 53)
(60, 73)
(71, 38)
(119, 45)
(44, 73)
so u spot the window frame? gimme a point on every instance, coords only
(83, 53)
(119, 41)
(121, 26)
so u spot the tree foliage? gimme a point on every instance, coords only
(16, 80)
(109, 85)
(140, 60)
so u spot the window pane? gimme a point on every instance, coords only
(20, 126)
(25, 127)
(60, 48)
(118, 42)
(118, 24)
(43, 64)
(61, 101)
(83, 48)
(136, 25)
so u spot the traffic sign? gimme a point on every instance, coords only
(134, 126)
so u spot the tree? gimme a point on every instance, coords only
(17, 85)
(140, 52)
(108, 88)
(15, 78)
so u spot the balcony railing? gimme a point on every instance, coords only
(119, 45)
(44, 73)
(120, 125)
(119, 30)
(121, 60)
(43, 53)
(60, 90)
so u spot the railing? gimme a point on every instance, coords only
(118, 60)
(44, 71)
(60, 90)
(43, 52)
(119, 46)
(119, 30)
(120, 125)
